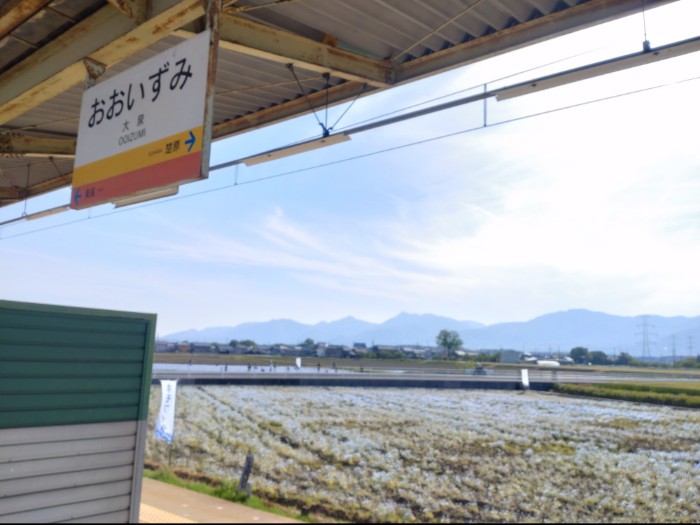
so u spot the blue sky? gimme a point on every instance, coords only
(590, 207)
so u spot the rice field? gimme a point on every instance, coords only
(418, 455)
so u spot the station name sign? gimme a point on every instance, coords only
(143, 128)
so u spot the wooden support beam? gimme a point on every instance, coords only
(294, 108)
(11, 194)
(134, 9)
(14, 12)
(107, 36)
(18, 144)
(14, 194)
(259, 40)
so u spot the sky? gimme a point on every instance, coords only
(544, 209)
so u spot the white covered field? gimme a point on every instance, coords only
(372, 455)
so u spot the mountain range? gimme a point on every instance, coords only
(556, 332)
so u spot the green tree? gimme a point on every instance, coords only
(580, 355)
(624, 359)
(449, 340)
(598, 358)
(248, 343)
(388, 354)
(308, 342)
(233, 343)
(690, 362)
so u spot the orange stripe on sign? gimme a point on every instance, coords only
(173, 171)
(172, 147)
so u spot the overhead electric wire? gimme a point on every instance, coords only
(468, 130)
(355, 157)
(454, 93)
(402, 114)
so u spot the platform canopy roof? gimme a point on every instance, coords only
(338, 50)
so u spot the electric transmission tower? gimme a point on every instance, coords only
(673, 350)
(646, 343)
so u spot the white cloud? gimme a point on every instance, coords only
(592, 207)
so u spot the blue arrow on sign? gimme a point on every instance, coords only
(190, 141)
(77, 196)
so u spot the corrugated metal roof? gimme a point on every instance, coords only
(363, 45)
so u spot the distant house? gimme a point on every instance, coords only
(254, 349)
(359, 352)
(528, 359)
(236, 348)
(307, 350)
(510, 356)
(440, 352)
(292, 351)
(336, 351)
(416, 353)
(279, 350)
(202, 348)
(225, 349)
(185, 347)
(165, 346)
(387, 351)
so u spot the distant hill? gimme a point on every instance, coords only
(403, 329)
(555, 332)
(561, 331)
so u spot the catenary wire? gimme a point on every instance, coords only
(354, 157)
(447, 95)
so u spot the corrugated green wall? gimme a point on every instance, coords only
(65, 366)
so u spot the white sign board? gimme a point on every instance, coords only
(143, 128)
(165, 426)
(524, 378)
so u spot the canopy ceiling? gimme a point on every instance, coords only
(338, 50)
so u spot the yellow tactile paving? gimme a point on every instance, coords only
(150, 514)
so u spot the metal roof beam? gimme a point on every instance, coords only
(262, 41)
(575, 18)
(107, 36)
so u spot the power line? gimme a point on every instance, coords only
(448, 95)
(355, 157)
(473, 87)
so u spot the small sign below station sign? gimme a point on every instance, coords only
(143, 129)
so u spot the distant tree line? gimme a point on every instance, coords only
(451, 343)
(245, 343)
(582, 355)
